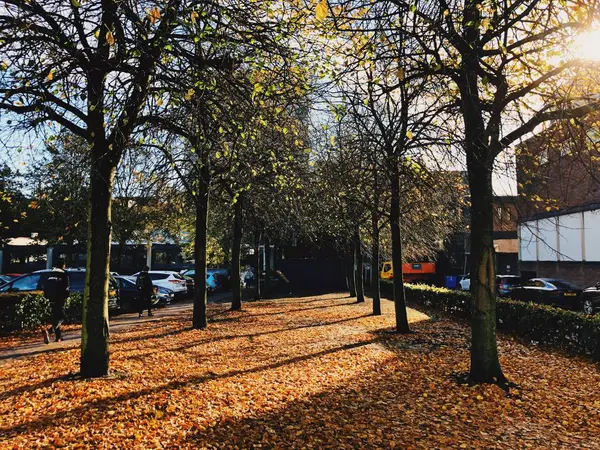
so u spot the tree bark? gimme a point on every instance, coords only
(257, 264)
(95, 328)
(398, 282)
(267, 265)
(351, 275)
(485, 365)
(360, 285)
(236, 286)
(200, 319)
(375, 289)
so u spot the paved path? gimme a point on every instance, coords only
(72, 338)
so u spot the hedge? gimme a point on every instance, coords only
(541, 324)
(28, 311)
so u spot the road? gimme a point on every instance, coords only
(72, 338)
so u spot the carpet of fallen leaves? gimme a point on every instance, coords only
(311, 372)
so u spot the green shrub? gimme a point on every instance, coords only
(30, 311)
(74, 308)
(541, 324)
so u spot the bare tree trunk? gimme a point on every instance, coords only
(267, 265)
(200, 319)
(95, 328)
(375, 289)
(485, 365)
(351, 275)
(360, 285)
(236, 286)
(257, 270)
(398, 282)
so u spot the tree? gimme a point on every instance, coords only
(13, 210)
(85, 67)
(502, 62)
(61, 192)
(391, 108)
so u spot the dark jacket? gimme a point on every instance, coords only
(144, 283)
(57, 286)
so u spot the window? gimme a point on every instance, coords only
(511, 281)
(77, 280)
(159, 276)
(27, 283)
(563, 284)
(535, 283)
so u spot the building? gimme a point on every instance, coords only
(562, 244)
(558, 175)
(24, 254)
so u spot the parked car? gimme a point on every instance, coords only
(5, 279)
(190, 283)
(549, 291)
(169, 280)
(162, 296)
(34, 282)
(590, 299)
(505, 284)
(222, 278)
(216, 279)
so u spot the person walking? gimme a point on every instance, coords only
(145, 289)
(57, 288)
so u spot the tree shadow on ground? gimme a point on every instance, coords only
(384, 408)
(97, 408)
(287, 311)
(211, 340)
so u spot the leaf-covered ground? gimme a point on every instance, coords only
(311, 372)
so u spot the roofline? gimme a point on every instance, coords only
(591, 206)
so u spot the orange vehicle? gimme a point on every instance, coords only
(419, 272)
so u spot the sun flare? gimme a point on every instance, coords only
(587, 46)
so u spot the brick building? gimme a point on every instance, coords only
(558, 175)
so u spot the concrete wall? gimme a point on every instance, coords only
(566, 246)
(570, 238)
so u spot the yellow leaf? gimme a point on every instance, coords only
(479, 397)
(401, 74)
(194, 16)
(189, 94)
(154, 15)
(322, 10)
(409, 134)
(110, 38)
(50, 75)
